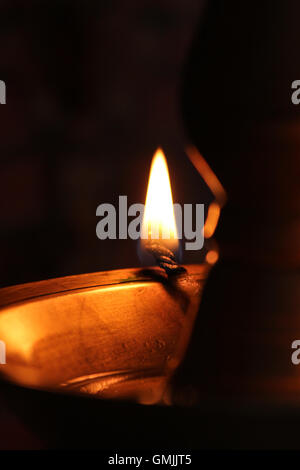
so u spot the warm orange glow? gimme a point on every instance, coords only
(212, 219)
(159, 218)
(214, 185)
(207, 174)
(212, 257)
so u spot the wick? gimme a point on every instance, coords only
(165, 258)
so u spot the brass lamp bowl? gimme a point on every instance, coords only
(111, 334)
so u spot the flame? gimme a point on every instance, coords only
(159, 219)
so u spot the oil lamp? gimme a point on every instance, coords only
(115, 334)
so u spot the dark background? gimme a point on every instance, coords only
(92, 90)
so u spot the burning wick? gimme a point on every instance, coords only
(159, 231)
(165, 258)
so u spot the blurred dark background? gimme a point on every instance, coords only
(92, 91)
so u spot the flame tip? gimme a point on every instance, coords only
(159, 217)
